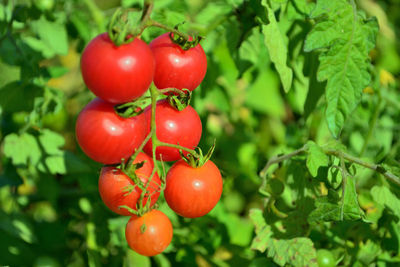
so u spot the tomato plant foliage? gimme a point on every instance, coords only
(301, 96)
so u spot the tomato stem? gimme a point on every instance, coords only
(168, 28)
(120, 27)
(331, 152)
(159, 143)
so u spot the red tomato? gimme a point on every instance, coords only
(106, 137)
(173, 127)
(113, 184)
(150, 234)
(175, 67)
(117, 74)
(193, 192)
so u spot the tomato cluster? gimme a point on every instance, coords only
(129, 183)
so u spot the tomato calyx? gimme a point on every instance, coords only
(130, 109)
(119, 29)
(197, 159)
(180, 101)
(183, 42)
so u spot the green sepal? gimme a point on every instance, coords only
(134, 212)
(181, 101)
(119, 28)
(183, 42)
(128, 110)
(198, 159)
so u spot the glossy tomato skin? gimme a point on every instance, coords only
(106, 137)
(113, 183)
(173, 127)
(117, 74)
(175, 67)
(149, 234)
(193, 192)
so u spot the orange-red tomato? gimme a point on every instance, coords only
(106, 137)
(175, 67)
(113, 184)
(117, 74)
(193, 192)
(149, 234)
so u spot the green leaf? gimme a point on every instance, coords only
(344, 38)
(17, 226)
(277, 48)
(8, 73)
(134, 259)
(263, 95)
(212, 11)
(16, 96)
(316, 158)
(295, 252)
(117, 229)
(350, 205)
(239, 229)
(44, 152)
(52, 38)
(51, 142)
(162, 260)
(252, 51)
(368, 252)
(22, 149)
(384, 196)
(331, 208)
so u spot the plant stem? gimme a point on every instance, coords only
(154, 95)
(375, 167)
(96, 13)
(337, 153)
(168, 28)
(159, 143)
(278, 159)
(345, 175)
(147, 9)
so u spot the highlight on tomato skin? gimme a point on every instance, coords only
(117, 74)
(182, 128)
(117, 189)
(106, 137)
(175, 67)
(193, 192)
(149, 234)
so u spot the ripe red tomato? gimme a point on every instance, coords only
(173, 127)
(113, 184)
(193, 192)
(106, 137)
(149, 234)
(175, 67)
(117, 74)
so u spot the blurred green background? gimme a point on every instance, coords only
(50, 211)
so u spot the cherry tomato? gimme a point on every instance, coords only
(325, 258)
(106, 137)
(117, 74)
(193, 192)
(173, 127)
(175, 67)
(149, 234)
(113, 185)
